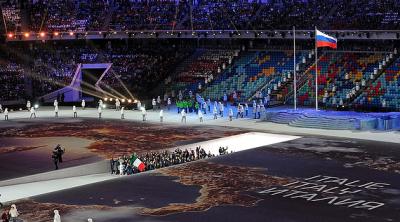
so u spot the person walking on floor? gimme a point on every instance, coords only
(99, 110)
(1, 204)
(183, 114)
(55, 103)
(13, 213)
(122, 113)
(258, 111)
(161, 116)
(255, 111)
(230, 114)
(169, 103)
(57, 217)
(56, 111)
(117, 105)
(221, 109)
(6, 114)
(33, 113)
(200, 114)
(144, 113)
(83, 104)
(246, 109)
(5, 216)
(74, 111)
(215, 112)
(154, 104)
(28, 105)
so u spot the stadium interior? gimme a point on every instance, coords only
(202, 110)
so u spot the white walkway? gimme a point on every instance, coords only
(173, 117)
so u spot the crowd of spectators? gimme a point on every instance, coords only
(68, 15)
(147, 15)
(12, 82)
(120, 15)
(49, 67)
(159, 159)
(11, 15)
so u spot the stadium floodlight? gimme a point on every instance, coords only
(105, 99)
(26, 34)
(36, 106)
(42, 34)
(10, 35)
(111, 99)
(123, 100)
(56, 33)
(71, 33)
(129, 101)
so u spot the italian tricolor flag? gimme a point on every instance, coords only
(138, 163)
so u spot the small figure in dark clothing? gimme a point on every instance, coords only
(1, 204)
(5, 216)
(55, 159)
(113, 166)
(60, 151)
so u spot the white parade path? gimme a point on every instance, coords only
(172, 117)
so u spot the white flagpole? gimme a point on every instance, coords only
(294, 68)
(316, 70)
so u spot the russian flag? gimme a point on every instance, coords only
(324, 40)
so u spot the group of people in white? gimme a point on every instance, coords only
(13, 214)
(242, 110)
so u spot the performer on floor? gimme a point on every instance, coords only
(117, 105)
(215, 112)
(6, 114)
(99, 111)
(83, 104)
(169, 103)
(74, 111)
(230, 114)
(33, 113)
(28, 105)
(183, 114)
(122, 113)
(56, 111)
(200, 114)
(144, 113)
(161, 116)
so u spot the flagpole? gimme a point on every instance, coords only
(294, 68)
(316, 70)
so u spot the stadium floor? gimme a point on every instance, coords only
(310, 178)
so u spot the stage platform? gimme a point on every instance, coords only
(335, 120)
